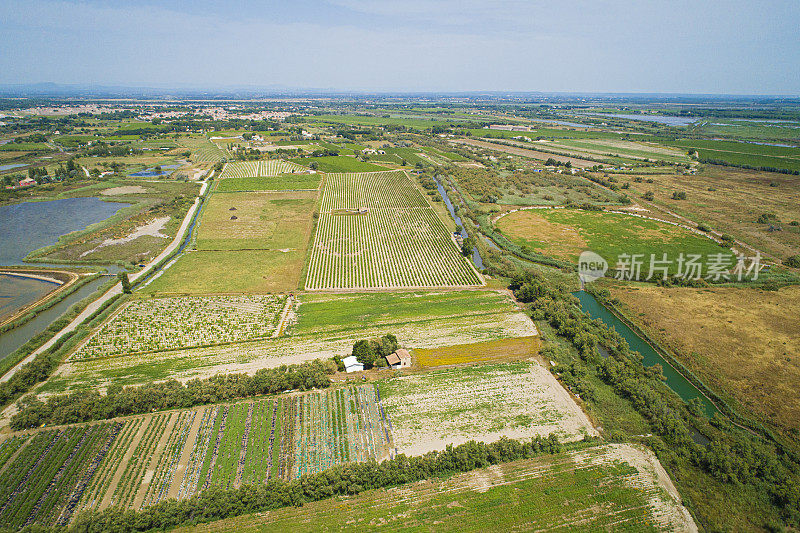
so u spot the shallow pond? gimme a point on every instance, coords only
(18, 291)
(32, 225)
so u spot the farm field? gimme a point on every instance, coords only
(517, 400)
(378, 231)
(255, 169)
(480, 352)
(618, 486)
(46, 479)
(738, 153)
(171, 323)
(209, 272)
(526, 152)
(630, 149)
(203, 150)
(144, 460)
(730, 200)
(257, 221)
(564, 234)
(742, 342)
(283, 182)
(339, 163)
(326, 325)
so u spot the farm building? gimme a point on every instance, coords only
(399, 359)
(351, 364)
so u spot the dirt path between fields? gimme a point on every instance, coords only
(186, 453)
(150, 470)
(525, 152)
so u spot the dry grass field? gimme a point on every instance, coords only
(745, 342)
(731, 200)
(264, 221)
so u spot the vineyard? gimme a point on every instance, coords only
(203, 149)
(49, 477)
(171, 323)
(517, 400)
(376, 230)
(252, 169)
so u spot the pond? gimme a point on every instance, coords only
(152, 172)
(675, 380)
(17, 292)
(32, 225)
(661, 119)
(12, 165)
(476, 256)
(11, 340)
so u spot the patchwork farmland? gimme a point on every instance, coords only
(253, 169)
(377, 231)
(142, 461)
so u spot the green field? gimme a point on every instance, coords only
(339, 164)
(747, 154)
(284, 182)
(564, 234)
(605, 488)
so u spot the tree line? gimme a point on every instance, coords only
(349, 479)
(87, 405)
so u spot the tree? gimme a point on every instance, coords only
(126, 283)
(364, 353)
(467, 246)
(314, 165)
(679, 195)
(792, 261)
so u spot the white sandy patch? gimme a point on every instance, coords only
(152, 229)
(127, 189)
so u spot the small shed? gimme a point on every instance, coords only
(399, 359)
(351, 364)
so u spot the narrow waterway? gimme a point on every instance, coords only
(675, 380)
(476, 256)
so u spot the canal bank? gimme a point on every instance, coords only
(675, 379)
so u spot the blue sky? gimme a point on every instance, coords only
(735, 47)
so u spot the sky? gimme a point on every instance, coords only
(675, 46)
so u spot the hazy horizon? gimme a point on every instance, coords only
(445, 46)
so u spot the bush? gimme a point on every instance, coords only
(792, 261)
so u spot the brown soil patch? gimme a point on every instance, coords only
(745, 342)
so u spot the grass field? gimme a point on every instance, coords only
(564, 234)
(614, 487)
(270, 183)
(339, 164)
(481, 352)
(229, 272)
(257, 221)
(744, 342)
(730, 200)
(376, 230)
(482, 402)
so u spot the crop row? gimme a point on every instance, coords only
(253, 169)
(386, 248)
(131, 481)
(371, 190)
(44, 482)
(171, 323)
(169, 458)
